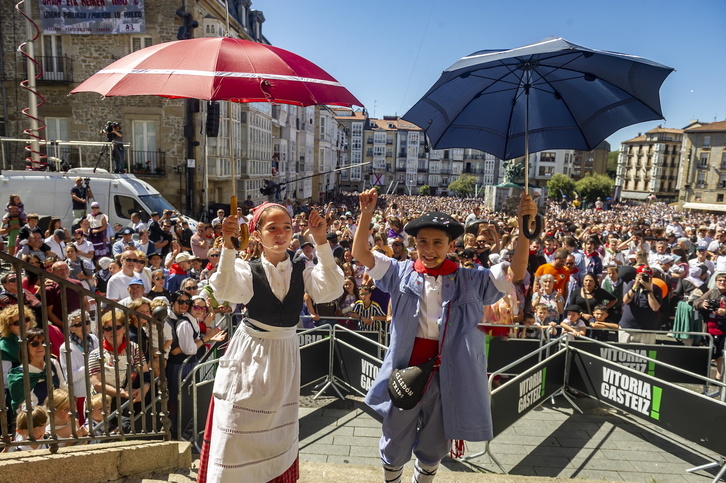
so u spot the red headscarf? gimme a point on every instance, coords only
(258, 213)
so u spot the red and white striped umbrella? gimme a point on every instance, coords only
(219, 68)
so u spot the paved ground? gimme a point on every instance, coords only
(339, 442)
(552, 441)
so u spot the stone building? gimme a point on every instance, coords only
(649, 164)
(702, 177)
(168, 146)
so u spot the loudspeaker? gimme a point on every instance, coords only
(212, 126)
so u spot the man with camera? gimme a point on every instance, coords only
(712, 306)
(79, 196)
(641, 302)
(115, 135)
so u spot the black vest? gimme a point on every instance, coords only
(266, 308)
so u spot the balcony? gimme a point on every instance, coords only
(55, 68)
(152, 163)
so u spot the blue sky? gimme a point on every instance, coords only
(388, 53)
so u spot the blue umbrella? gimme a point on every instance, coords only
(552, 94)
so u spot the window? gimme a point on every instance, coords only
(723, 161)
(706, 141)
(56, 129)
(144, 147)
(703, 162)
(52, 59)
(125, 205)
(719, 198)
(139, 42)
(701, 181)
(547, 157)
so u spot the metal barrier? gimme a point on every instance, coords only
(657, 401)
(146, 418)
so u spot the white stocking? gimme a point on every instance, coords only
(423, 473)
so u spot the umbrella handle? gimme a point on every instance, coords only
(527, 225)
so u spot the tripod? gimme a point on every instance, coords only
(101, 154)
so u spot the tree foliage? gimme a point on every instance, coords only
(463, 186)
(593, 186)
(424, 190)
(559, 185)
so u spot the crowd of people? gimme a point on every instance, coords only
(621, 272)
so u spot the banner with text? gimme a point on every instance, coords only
(681, 411)
(92, 16)
(691, 359)
(528, 390)
(314, 359)
(355, 368)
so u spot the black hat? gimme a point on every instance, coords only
(153, 214)
(127, 231)
(331, 236)
(154, 254)
(573, 308)
(467, 253)
(303, 244)
(438, 220)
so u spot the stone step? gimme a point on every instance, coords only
(339, 473)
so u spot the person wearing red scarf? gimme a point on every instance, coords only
(430, 298)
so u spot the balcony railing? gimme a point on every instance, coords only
(55, 68)
(148, 162)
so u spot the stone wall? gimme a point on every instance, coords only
(89, 112)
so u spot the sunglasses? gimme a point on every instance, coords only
(191, 288)
(134, 260)
(109, 328)
(216, 255)
(159, 278)
(11, 279)
(81, 324)
(199, 307)
(396, 244)
(16, 323)
(36, 343)
(183, 301)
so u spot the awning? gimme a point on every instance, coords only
(705, 206)
(634, 195)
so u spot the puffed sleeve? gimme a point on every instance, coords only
(232, 282)
(324, 281)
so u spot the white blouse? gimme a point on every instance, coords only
(232, 282)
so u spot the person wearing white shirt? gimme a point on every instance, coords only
(57, 243)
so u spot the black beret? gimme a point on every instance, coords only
(438, 220)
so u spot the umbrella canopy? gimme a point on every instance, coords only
(219, 68)
(573, 97)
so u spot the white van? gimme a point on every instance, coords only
(49, 193)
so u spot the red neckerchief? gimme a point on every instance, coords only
(592, 254)
(109, 347)
(446, 268)
(549, 253)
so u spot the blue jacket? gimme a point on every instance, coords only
(463, 372)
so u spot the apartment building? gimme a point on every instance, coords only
(170, 142)
(649, 164)
(702, 177)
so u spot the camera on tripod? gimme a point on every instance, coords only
(87, 182)
(108, 130)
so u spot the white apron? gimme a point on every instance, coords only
(257, 392)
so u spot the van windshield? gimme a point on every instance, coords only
(156, 203)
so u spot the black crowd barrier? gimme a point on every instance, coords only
(691, 415)
(522, 393)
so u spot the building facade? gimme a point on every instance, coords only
(648, 165)
(168, 142)
(702, 177)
